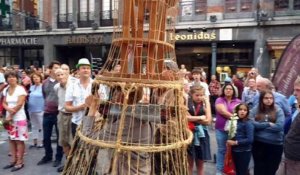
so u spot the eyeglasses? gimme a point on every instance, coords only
(268, 98)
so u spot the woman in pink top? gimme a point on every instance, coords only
(225, 105)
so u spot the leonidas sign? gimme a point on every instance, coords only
(194, 36)
(288, 68)
(18, 41)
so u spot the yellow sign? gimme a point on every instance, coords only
(194, 36)
(85, 39)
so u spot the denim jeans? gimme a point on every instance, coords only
(50, 120)
(221, 137)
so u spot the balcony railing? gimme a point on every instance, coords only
(64, 20)
(85, 19)
(31, 23)
(106, 18)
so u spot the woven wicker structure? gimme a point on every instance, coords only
(136, 122)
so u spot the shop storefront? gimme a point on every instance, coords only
(73, 47)
(216, 54)
(23, 51)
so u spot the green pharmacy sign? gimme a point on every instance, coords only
(4, 8)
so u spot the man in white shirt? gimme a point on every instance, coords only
(77, 93)
(63, 117)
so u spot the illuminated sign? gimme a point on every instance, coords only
(194, 36)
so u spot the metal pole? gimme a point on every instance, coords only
(213, 58)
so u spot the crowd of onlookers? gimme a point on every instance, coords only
(251, 118)
(49, 99)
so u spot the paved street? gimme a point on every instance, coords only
(35, 154)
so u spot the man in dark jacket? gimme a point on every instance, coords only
(292, 139)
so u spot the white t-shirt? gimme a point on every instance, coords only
(12, 100)
(77, 94)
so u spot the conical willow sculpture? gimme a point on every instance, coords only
(136, 120)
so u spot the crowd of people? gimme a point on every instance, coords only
(53, 99)
(251, 118)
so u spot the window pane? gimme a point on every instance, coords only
(186, 8)
(62, 6)
(230, 6)
(83, 5)
(91, 5)
(70, 6)
(281, 4)
(106, 5)
(246, 5)
(115, 7)
(200, 7)
(296, 4)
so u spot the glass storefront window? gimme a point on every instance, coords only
(8, 56)
(33, 56)
(232, 58)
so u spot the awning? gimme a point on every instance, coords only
(278, 44)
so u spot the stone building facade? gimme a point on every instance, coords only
(222, 36)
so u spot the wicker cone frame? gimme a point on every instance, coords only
(136, 121)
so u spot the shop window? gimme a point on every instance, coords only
(86, 13)
(108, 12)
(234, 56)
(8, 56)
(33, 57)
(65, 12)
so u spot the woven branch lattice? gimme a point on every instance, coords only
(136, 122)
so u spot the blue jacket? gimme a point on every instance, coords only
(280, 100)
(266, 133)
(244, 135)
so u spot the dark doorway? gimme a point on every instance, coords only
(70, 55)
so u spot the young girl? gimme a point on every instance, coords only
(268, 121)
(241, 139)
(199, 109)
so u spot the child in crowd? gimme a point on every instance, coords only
(200, 117)
(241, 138)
